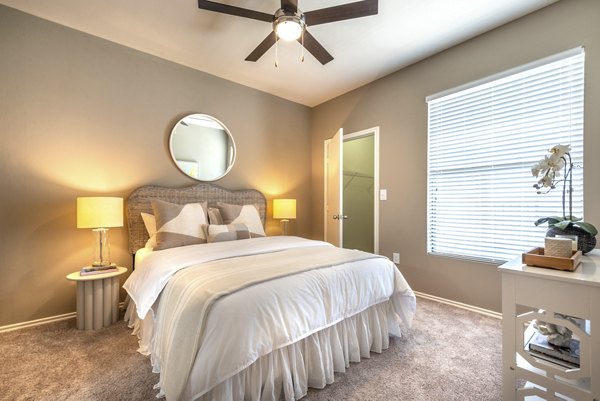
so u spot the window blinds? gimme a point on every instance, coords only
(483, 140)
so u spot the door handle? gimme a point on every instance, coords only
(340, 217)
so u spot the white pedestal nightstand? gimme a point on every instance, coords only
(97, 299)
(537, 293)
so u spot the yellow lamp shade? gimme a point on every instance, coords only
(284, 208)
(99, 212)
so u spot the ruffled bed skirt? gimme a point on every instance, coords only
(286, 373)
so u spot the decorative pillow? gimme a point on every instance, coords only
(214, 216)
(151, 243)
(230, 232)
(247, 214)
(149, 223)
(179, 225)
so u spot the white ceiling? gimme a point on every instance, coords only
(364, 49)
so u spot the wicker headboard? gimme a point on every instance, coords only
(139, 201)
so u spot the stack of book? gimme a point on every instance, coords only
(567, 357)
(89, 270)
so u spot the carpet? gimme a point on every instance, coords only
(448, 354)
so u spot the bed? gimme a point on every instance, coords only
(257, 318)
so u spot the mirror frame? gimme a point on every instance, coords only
(174, 159)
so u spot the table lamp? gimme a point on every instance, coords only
(100, 213)
(284, 209)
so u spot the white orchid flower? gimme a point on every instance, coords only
(544, 164)
(550, 166)
(546, 181)
(560, 150)
(555, 162)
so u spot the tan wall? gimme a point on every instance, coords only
(397, 105)
(83, 116)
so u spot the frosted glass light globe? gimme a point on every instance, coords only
(288, 30)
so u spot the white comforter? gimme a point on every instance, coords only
(156, 268)
(259, 319)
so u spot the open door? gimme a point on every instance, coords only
(333, 189)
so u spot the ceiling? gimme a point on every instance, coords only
(364, 49)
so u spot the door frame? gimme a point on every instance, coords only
(355, 135)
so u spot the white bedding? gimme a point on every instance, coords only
(257, 320)
(156, 268)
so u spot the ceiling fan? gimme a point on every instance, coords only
(289, 23)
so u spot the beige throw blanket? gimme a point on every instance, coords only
(189, 295)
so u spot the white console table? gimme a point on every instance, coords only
(537, 293)
(97, 299)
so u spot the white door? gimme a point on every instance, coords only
(333, 189)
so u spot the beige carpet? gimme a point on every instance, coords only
(449, 354)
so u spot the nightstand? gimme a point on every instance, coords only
(536, 293)
(97, 299)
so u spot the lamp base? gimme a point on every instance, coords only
(101, 255)
(284, 223)
(102, 264)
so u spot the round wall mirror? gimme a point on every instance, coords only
(202, 147)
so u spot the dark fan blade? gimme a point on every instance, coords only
(240, 12)
(341, 12)
(289, 5)
(315, 48)
(262, 47)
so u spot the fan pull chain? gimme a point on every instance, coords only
(302, 56)
(276, 54)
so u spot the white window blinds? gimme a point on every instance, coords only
(483, 140)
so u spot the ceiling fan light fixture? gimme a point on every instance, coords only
(289, 23)
(288, 26)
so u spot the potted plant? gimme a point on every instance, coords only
(548, 172)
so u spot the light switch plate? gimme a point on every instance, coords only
(396, 257)
(383, 194)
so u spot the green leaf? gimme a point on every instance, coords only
(587, 227)
(562, 224)
(573, 218)
(550, 220)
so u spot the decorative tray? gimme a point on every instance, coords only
(536, 257)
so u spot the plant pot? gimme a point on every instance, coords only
(585, 242)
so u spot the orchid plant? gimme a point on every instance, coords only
(548, 172)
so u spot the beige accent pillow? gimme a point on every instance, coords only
(229, 232)
(150, 224)
(179, 225)
(246, 214)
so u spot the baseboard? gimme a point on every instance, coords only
(44, 320)
(468, 307)
(37, 322)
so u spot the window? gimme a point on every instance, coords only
(484, 138)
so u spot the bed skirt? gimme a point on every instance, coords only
(286, 373)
